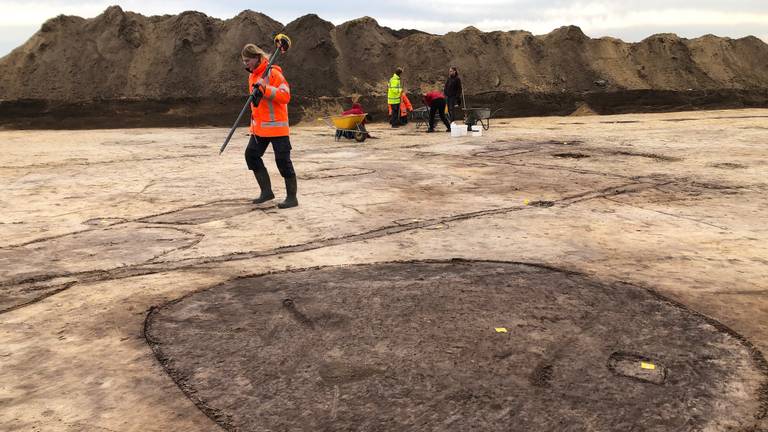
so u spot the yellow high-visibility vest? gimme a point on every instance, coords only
(394, 90)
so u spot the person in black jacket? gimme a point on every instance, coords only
(453, 91)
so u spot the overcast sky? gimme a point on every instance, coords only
(630, 20)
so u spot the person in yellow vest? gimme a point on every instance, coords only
(394, 92)
(405, 108)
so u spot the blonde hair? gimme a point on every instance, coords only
(252, 51)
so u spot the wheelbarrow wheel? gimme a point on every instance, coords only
(361, 136)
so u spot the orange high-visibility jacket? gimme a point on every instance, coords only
(405, 106)
(270, 117)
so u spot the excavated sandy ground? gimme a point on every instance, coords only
(97, 227)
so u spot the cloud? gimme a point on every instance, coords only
(15, 13)
(13, 36)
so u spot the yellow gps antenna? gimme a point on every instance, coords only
(283, 42)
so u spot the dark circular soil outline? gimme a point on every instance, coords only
(545, 375)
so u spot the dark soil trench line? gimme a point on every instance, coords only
(108, 162)
(669, 214)
(153, 268)
(144, 219)
(122, 221)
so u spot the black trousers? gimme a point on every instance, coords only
(394, 118)
(452, 100)
(437, 107)
(282, 147)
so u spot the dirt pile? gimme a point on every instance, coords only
(186, 67)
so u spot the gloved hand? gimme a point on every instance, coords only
(257, 94)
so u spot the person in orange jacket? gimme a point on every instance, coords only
(269, 124)
(405, 108)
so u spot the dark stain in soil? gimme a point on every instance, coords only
(653, 156)
(541, 375)
(544, 204)
(453, 346)
(571, 155)
(728, 165)
(290, 306)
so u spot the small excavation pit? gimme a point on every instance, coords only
(452, 346)
(544, 204)
(571, 155)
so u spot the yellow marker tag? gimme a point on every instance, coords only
(500, 330)
(645, 365)
(526, 202)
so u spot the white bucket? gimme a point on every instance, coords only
(458, 130)
(477, 131)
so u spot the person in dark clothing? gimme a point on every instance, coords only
(453, 91)
(435, 100)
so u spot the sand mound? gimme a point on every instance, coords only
(172, 59)
(583, 109)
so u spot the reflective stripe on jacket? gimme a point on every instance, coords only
(394, 90)
(270, 117)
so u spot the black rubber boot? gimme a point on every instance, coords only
(290, 189)
(262, 176)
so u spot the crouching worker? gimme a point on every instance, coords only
(356, 109)
(435, 100)
(405, 108)
(269, 124)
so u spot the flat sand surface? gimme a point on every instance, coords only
(98, 227)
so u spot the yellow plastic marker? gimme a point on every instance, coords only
(526, 202)
(500, 330)
(645, 365)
